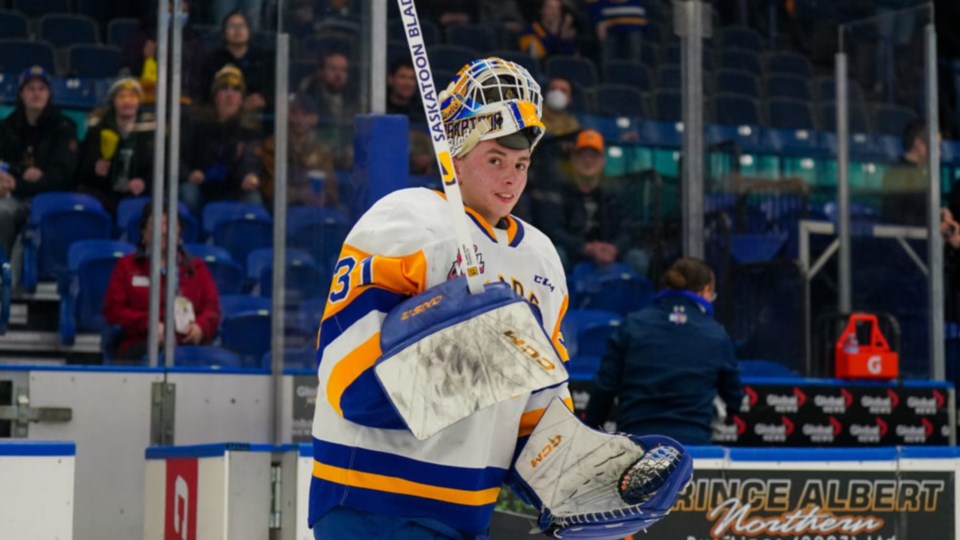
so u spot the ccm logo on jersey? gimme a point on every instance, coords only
(546, 451)
(529, 350)
(421, 308)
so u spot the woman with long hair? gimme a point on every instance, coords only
(127, 301)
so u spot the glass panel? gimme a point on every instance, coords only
(889, 183)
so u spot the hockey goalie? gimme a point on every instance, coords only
(432, 396)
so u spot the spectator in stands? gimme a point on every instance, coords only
(504, 14)
(553, 33)
(582, 214)
(905, 184)
(256, 65)
(219, 160)
(329, 86)
(447, 13)
(402, 91)
(38, 148)
(556, 111)
(402, 99)
(311, 178)
(668, 362)
(116, 158)
(139, 58)
(249, 9)
(127, 302)
(619, 26)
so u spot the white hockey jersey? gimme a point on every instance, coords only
(364, 457)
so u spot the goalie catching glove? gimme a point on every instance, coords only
(590, 484)
(448, 354)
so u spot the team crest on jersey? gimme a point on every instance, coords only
(456, 264)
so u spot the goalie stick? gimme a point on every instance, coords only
(441, 147)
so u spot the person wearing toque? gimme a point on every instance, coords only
(38, 151)
(116, 158)
(219, 159)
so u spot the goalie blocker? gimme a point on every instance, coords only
(449, 353)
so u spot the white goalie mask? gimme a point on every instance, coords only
(492, 98)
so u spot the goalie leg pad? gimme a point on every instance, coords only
(600, 485)
(448, 354)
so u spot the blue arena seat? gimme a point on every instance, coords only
(744, 60)
(6, 278)
(64, 29)
(668, 105)
(97, 61)
(616, 288)
(90, 264)
(450, 57)
(74, 92)
(619, 100)
(790, 114)
(217, 211)
(206, 356)
(242, 235)
(130, 210)
(575, 69)
(670, 77)
(754, 248)
(826, 88)
(788, 86)
(227, 274)
(397, 31)
(245, 326)
(304, 278)
(473, 36)
(13, 25)
(740, 37)
(56, 221)
(628, 72)
(119, 31)
(787, 63)
(318, 231)
(735, 81)
(321, 44)
(17, 55)
(674, 56)
(857, 118)
(39, 8)
(736, 110)
(8, 92)
(585, 331)
(892, 119)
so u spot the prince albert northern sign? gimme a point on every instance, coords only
(813, 505)
(836, 502)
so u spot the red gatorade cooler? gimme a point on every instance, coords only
(873, 360)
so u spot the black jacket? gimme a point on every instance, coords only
(666, 363)
(51, 147)
(560, 211)
(136, 149)
(223, 151)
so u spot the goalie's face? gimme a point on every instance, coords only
(492, 178)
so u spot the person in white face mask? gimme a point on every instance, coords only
(556, 114)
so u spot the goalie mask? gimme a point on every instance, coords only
(492, 98)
